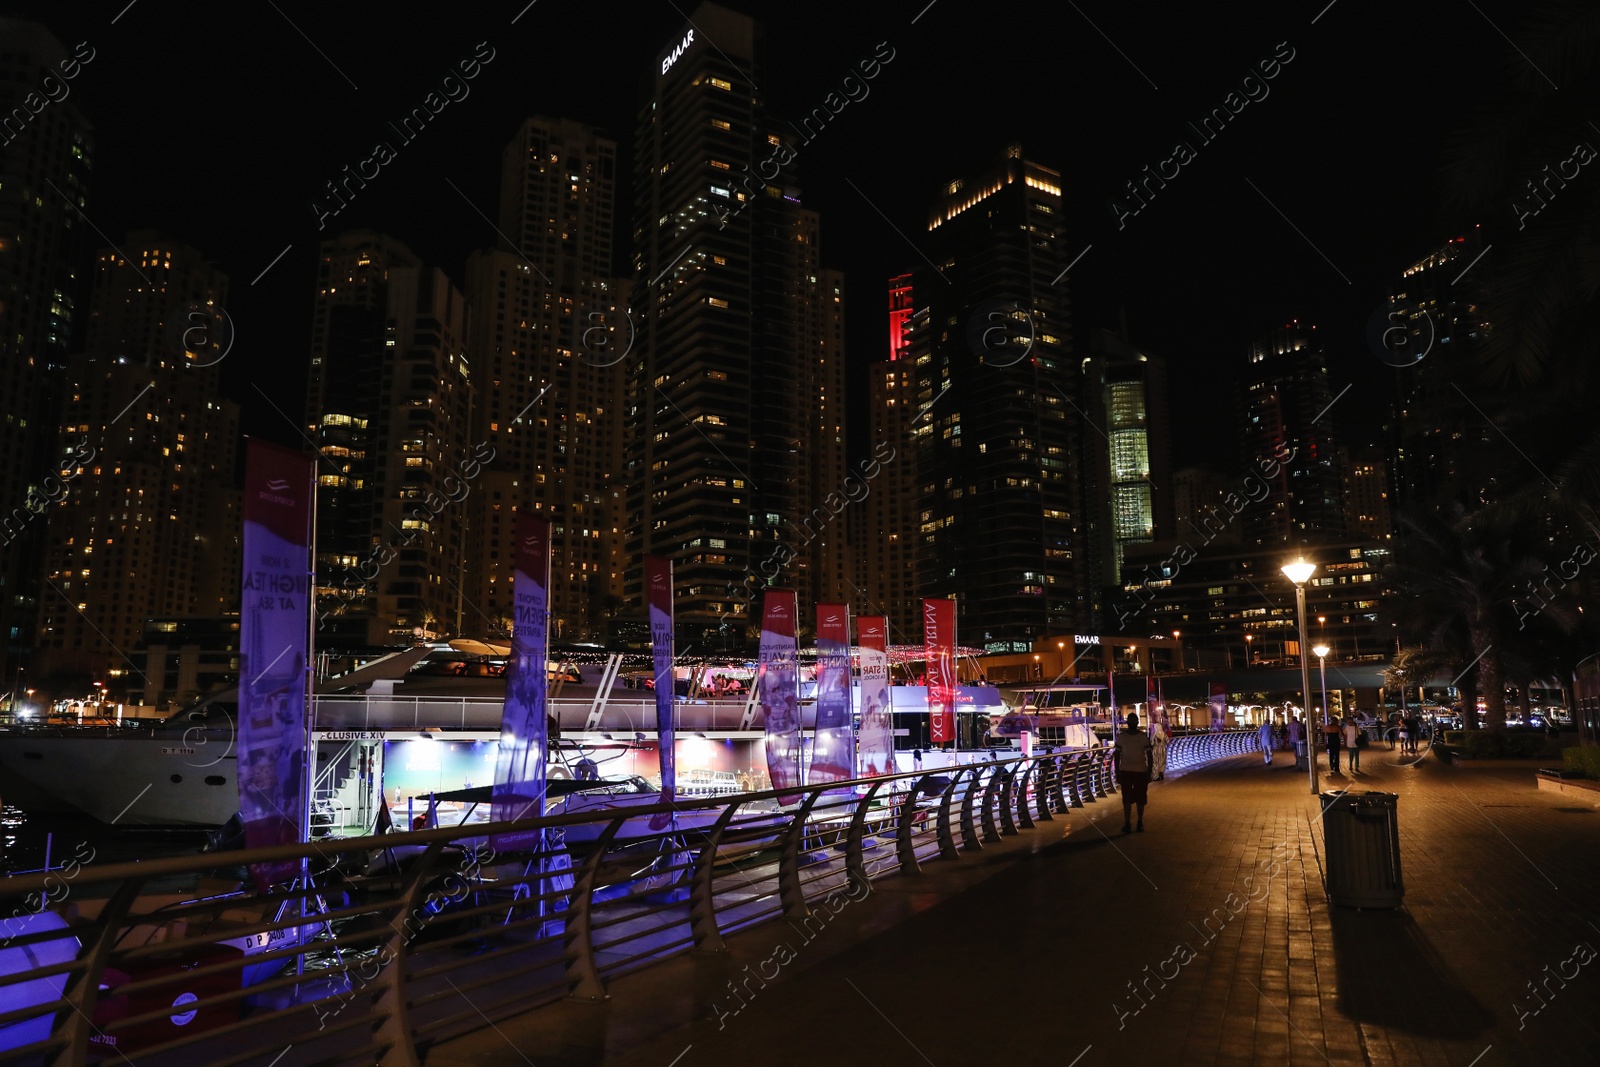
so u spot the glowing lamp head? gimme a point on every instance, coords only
(1299, 572)
(1321, 650)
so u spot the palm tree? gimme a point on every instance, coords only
(1456, 575)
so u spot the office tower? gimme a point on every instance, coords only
(999, 452)
(46, 150)
(1442, 447)
(1131, 492)
(1366, 494)
(888, 540)
(1196, 493)
(147, 523)
(1287, 412)
(723, 394)
(550, 336)
(388, 405)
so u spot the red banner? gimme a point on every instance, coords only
(875, 753)
(274, 644)
(658, 583)
(833, 743)
(521, 763)
(778, 683)
(939, 641)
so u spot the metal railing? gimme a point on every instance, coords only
(411, 938)
(1194, 750)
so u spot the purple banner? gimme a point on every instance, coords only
(833, 744)
(274, 644)
(658, 583)
(520, 767)
(876, 753)
(779, 682)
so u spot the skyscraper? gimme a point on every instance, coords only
(1367, 515)
(1286, 400)
(725, 401)
(1131, 492)
(46, 151)
(148, 522)
(388, 405)
(999, 452)
(889, 578)
(549, 339)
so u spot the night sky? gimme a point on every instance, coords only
(220, 124)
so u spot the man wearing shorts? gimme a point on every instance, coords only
(1134, 762)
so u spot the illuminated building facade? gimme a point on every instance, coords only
(998, 449)
(148, 524)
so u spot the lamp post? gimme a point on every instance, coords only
(1322, 666)
(1247, 639)
(1299, 572)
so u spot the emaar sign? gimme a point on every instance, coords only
(677, 53)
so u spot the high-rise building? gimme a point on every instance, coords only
(1366, 495)
(46, 151)
(888, 580)
(1442, 445)
(999, 453)
(1196, 493)
(389, 406)
(1286, 401)
(148, 523)
(725, 402)
(1125, 394)
(549, 339)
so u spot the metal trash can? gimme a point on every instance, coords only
(1361, 839)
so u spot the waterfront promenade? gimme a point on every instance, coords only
(1205, 940)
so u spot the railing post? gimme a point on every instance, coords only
(1111, 772)
(82, 988)
(1023, 772)
(1041, 797)
(969, 829)
(583, 973)
(990, 792)
(702, 897)
(1075, 766)
(947, 841)
(390, 1005)
(791, 891)
(855, 863)
(1008, 779)
(904, 847)
(1097, 773)
(1056, 796)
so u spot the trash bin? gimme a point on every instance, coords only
(1361, 839)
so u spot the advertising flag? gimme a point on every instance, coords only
(1111, 699)
(779, 685)
(939, 640)
(1219, 706)
(520, 765)
(274, 644)
(876, 752)
(833, 745)
(658, 580)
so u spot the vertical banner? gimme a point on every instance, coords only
(876, 752)
(1219, 706)
(658, 582)
(1152, 704)
(1111, 700)
(274, 638)
(520, 767)
(778, 682)
(833, 745)
(939, 641)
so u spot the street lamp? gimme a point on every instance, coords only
(1322, 666)
(1299, 572)
(1247, 649)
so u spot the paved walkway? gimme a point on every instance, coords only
(1205, 940)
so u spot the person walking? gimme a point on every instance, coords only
(1297, 742)
(1266, 737)
(1352, 744)
(1134, 762)
(1330, 733)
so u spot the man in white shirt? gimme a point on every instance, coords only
(1352, 737)
(1134, 762)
